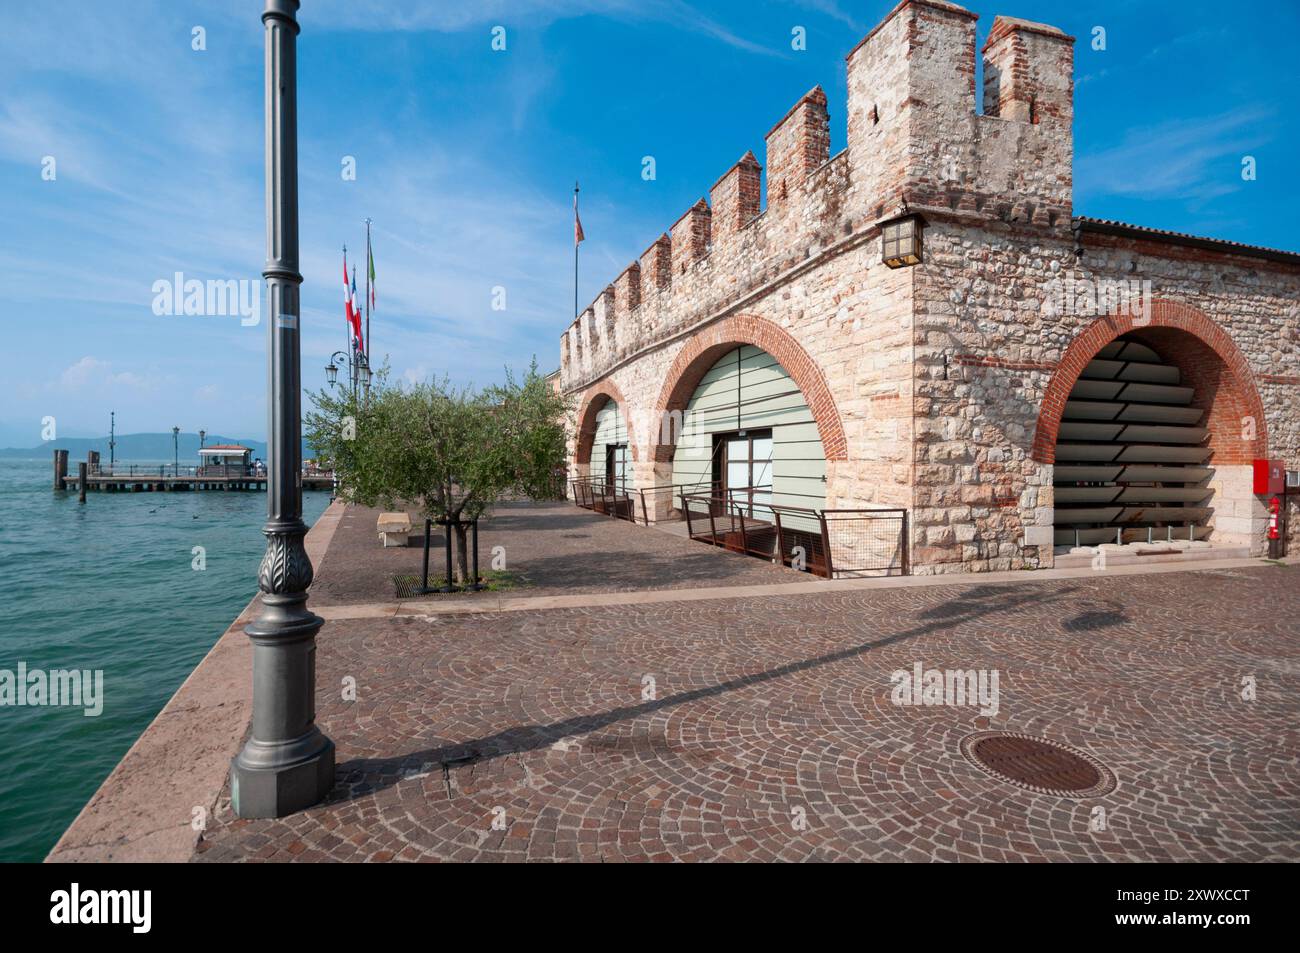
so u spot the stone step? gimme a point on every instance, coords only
(1131, 555)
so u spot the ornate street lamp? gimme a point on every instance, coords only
(332, 368)
(202, 436)
(288, 763)
(365, 374)
(176, 450)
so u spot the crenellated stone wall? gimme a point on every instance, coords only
(944, 380)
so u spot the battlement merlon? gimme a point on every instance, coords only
(689, 237)
(736, 199)
(1028, 71)
(915, 137)
(656, 267)
(797, 146)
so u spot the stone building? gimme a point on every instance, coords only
(922, 321)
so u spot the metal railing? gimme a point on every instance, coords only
(792, 535)
(205, 471)
(608, 498)
(675, 492)
(826, 543)
(147, 470)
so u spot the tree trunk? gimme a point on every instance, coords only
(462, 555)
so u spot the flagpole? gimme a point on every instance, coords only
(575, 251)
(368, 259)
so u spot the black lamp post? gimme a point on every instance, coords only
(176, 450)
(287, 764)
(203, 434)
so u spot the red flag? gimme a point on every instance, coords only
(577, 222)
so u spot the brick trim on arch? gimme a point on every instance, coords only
(1212, 363)
(704, 349)
(593, 401)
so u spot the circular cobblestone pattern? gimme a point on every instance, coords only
(770, 728)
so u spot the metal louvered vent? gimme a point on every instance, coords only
(1131, 454)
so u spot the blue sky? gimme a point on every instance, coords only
(466, 158)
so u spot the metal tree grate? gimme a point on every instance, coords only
(1038, 764)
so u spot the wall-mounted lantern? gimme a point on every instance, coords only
(901, 241)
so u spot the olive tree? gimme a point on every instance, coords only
(449, 452)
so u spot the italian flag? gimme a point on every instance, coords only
(349, 304)
(371, 255)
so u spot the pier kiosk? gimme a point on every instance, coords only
(223, 461)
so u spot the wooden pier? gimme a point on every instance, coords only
(137, 478)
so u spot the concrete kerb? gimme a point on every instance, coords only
(812, 587)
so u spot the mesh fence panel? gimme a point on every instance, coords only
(865, 542)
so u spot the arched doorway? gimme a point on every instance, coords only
(602, 406)
(604, 478)
(709, 346)
(611, 459)
(748, 433)
(1132, 460)
(1151, 428)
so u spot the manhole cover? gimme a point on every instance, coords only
(1038, 764)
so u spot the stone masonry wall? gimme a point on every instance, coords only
(991, 336)
(939, 374)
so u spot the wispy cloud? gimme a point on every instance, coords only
(93, 374)
(443, 17)
(832, 9)
(1194, 160)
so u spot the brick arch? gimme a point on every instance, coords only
(704, 349)
(1205, 354)
(593, 402)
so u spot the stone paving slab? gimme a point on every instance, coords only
(556, 548)
(769, 731)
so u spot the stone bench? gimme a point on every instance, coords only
(394, 529)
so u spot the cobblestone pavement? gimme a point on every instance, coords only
(555, 548)
(770, 733)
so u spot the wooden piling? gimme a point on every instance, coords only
(60, 469)
(81, 482)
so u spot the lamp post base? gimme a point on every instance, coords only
(269, 783)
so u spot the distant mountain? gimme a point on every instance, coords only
(136, 446)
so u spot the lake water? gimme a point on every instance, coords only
(107, 586)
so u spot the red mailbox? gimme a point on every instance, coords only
(1270, 476)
